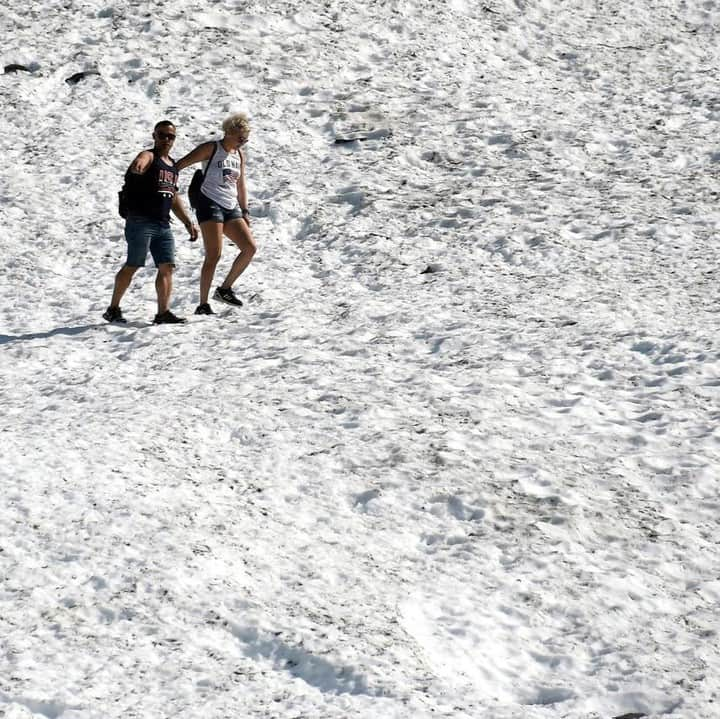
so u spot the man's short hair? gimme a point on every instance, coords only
(164, 123)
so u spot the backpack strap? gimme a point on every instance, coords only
(207, 167)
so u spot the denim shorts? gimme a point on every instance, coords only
(143, 234)
(208, 209)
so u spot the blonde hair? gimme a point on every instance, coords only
(238, 121)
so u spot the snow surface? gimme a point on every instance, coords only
(458, 454)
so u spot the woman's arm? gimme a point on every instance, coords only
(200, 154)
(242, 189)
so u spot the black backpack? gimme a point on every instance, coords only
(124, 196)
(123, 202)
(197, 180)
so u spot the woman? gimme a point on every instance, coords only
(222, 208)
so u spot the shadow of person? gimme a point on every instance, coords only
(5, 339)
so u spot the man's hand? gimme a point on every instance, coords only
(193, 231)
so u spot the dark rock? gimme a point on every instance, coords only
(14, 67)
(75, 79)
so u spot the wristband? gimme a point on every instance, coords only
(244, 211)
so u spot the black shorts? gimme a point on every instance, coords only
(209, 210)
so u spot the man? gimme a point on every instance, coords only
(151, 192)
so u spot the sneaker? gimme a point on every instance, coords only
(114, 314)
(227, 296)
(168, 318)
(204, 309)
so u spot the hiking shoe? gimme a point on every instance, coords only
(168, 318)
(204, 309)
(114, 314)
(227, 296)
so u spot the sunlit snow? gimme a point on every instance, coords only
(458, 454)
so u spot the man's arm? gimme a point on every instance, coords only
(141, 164)
(179, 211)
(200, 154)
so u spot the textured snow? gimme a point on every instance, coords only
(457, 456)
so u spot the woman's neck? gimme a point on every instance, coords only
(229, 145)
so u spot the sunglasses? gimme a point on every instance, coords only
(165, 136)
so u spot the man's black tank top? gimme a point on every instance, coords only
(150, 195)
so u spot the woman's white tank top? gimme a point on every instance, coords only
(221, 176)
